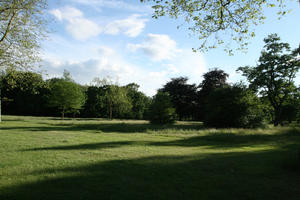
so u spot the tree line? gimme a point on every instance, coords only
(271, 95)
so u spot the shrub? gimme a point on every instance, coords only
(161, 110)
(233, 106)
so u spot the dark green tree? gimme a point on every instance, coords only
(23, 93)
(183, 96)
(233, 106)
(214, 79)
(66, 96)
(274, 75)
(162, 110)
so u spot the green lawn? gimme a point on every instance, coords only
(49, 159)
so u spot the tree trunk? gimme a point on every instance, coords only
(110, 111)
(63, 114)
(277, 118)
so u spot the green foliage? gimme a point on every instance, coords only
(223, 21)
(162, 110)
(117, 100)
(233, 106)
(22, 26)
(23, 93)
(140, 102)
(183, 96)
(274, 75)
(215, 78)
(66, 96)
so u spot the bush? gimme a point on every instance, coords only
(233, 106)
(161, 110)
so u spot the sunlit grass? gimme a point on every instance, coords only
(46, 158)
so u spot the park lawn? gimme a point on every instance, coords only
(49, 159)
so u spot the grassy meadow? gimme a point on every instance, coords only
(49, 159)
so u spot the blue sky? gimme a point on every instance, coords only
(119, 39)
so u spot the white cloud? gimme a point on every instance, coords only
(82, 28)
(132, 26)
(78, 26)
(157, 47)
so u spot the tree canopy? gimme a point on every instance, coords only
(274, 75)
(22, 25)
(218, 19)
(66, 96)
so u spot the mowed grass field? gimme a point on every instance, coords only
(49, 159)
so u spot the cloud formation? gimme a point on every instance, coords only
(157, 47)
(131, 26)
(77, 25)
(82, 28)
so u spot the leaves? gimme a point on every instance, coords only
(219, 20)
(22, 26)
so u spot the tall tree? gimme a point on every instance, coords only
(117, 100)
(66, 96)
(22, 26)
(140, 102)
(183, 96)
(274, 75)
(222, 20)
(214, 79)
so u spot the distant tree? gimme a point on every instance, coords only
(222, 20)
(214, 79)
(66, 96)
(291, 107)
(140, 102)
(183, 96)
(67, 76)
(162, 110)
(274, 75)
(117, 100)
(233, 106)
(95, 105)
(23, 93)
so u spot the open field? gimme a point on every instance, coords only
(49, 159)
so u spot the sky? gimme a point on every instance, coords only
(119, 39)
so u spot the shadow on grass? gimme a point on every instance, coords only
(107, 127)
(215, 140)
(255, 175)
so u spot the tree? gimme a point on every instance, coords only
(183, 96)
(23, 93)
(214, 79)
(22, 26)
(66, 96)
(117, 100)
(273, 76)
(162, 110)
(218, 18)
(233, 107)
(140, 102)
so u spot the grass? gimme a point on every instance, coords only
(49, 159)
